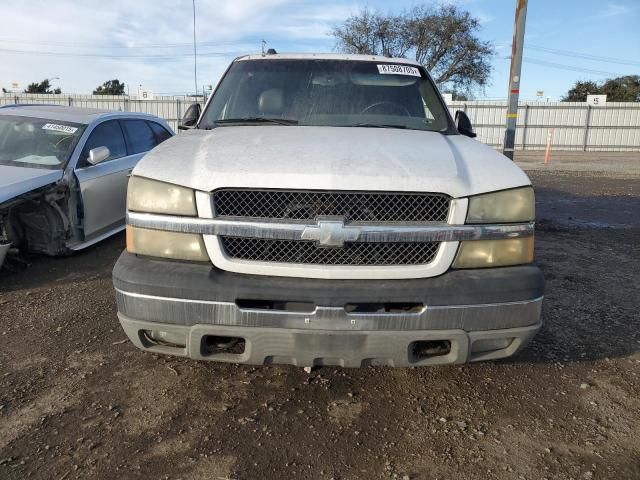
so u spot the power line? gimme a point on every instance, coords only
(572, 68)
(128, 47)
(585, 56)
(107, 55)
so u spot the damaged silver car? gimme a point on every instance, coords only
(63, 174)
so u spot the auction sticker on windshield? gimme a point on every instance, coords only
(59, 128)
(398, 70)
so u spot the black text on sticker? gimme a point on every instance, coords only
(398, 70)
(60, 128)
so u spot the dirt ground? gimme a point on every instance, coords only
(78, 401)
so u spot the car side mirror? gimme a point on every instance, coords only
(98, 155)
(190, 117)
(463, 124)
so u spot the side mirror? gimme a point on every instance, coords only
(464, 124)
(98, 155)
(190, 117)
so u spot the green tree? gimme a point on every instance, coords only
(110, 87)
(443, 38)
(621, 89)
(42, 87)
(579, 92)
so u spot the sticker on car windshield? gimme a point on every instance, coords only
(398, 70)
(60, 128)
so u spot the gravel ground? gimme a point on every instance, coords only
(78, 401)
(612, 164)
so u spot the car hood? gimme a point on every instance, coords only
(15, 181)
(330, 158)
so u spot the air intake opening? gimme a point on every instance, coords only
(424, 349)
(397, 307)
(164, 339)
(215, 345)
(301, 307)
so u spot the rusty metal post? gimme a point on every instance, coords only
(587, 123)
(514, 78)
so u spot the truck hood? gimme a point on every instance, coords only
(15, 181)
(330, 158)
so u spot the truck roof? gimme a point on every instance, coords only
(327, 56)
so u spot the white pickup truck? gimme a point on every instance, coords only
(327, 210)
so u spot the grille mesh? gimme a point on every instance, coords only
(352, 206)
(308, 252)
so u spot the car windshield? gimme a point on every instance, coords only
(37, 142)
(338, 93)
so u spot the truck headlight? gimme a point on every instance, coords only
(508, 206)
(494, 253)
(151, 196)
(159, 243)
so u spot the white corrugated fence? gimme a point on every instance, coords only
(169, 108)
(576, 126)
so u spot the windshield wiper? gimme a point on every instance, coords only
(255, 120)
(376, 125)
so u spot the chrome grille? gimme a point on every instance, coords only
(308, 252)
(352, 206)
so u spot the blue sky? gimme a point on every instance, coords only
(148, 42)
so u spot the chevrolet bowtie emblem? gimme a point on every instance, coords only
(331, 233)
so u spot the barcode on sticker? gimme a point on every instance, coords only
(60, 128)
(398, 70)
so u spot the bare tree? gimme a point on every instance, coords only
(443, 39)
(373, 34)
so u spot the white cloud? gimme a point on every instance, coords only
(77, 33)
(484, 18)
(613, 10)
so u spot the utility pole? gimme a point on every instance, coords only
(195, 61)
(264, 44)
(514, 77)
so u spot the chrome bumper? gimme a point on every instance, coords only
(352, 233)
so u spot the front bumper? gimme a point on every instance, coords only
(480, 314)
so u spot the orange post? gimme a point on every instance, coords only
(547, 152)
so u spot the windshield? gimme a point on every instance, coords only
(37, 142)
(338, 93)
